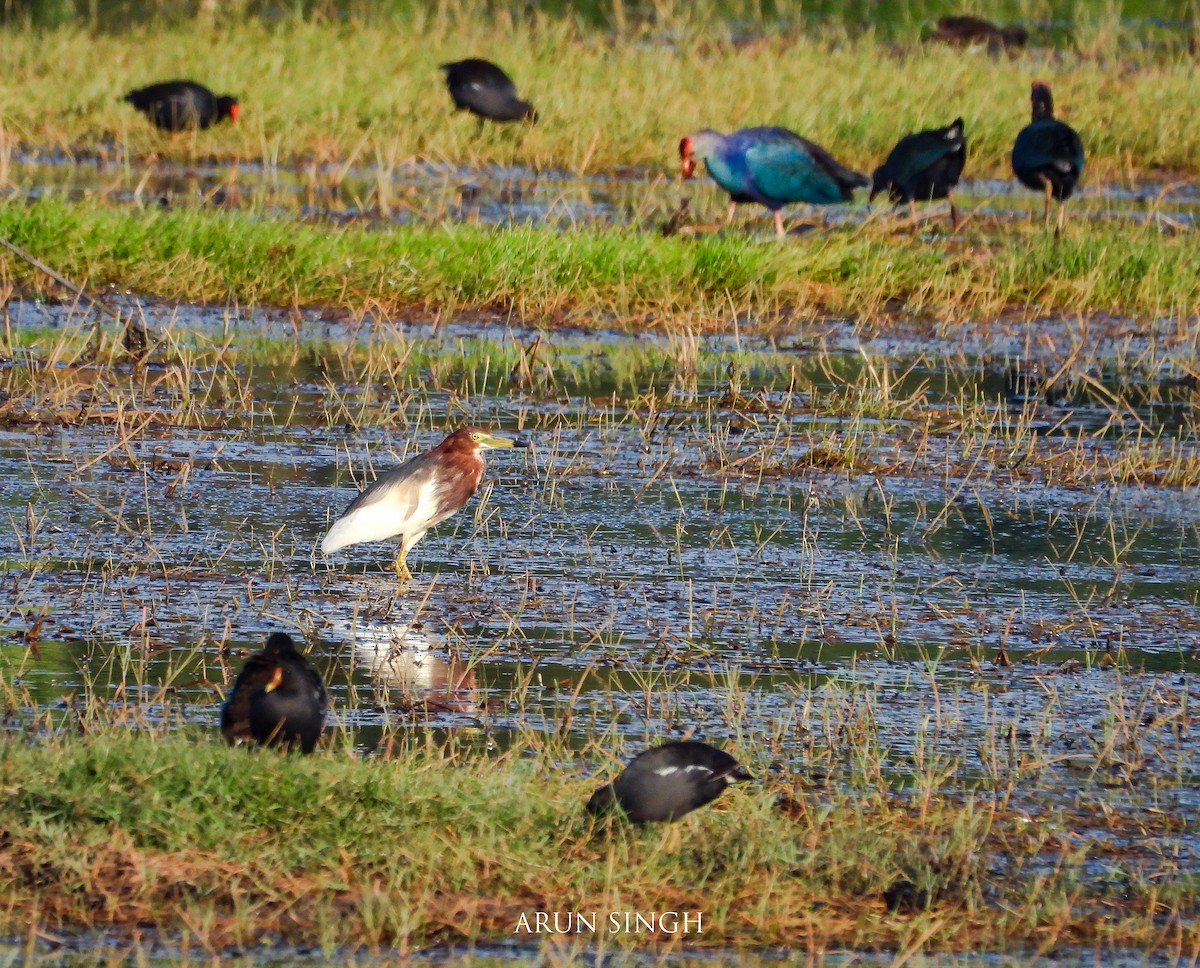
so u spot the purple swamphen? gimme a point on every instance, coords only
(1048, 155)
(924, 166)
(771, 166)
(182, 105)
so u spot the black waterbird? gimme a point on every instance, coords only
(182, 105)
(1048, 154)
(668, 781)
(278, 699)
(479, 86)
(924, 166)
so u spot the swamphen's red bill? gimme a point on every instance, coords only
(688, 159)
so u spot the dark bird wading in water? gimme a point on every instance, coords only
(924, 166)
(182, 105)
(1048, 155)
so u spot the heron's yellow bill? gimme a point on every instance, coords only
(484, 440)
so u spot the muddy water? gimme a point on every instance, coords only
(494, 194)
(686, 546)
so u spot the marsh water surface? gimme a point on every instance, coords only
(499, 194)
(921, 539)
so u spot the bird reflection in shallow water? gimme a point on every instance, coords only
(432, 685)
(429, 675)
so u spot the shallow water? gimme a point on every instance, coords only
(497, 956)
(679, 550)
(414, 191)
(621, 543)
(496, 194)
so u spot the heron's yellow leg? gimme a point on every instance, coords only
(400, 567)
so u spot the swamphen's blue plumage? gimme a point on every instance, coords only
(924, 166)
(771, 166)
(1048, 155)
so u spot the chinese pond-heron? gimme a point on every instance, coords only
(410, 499)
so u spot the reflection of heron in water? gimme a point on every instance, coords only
(420, 664)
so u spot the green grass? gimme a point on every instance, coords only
(367, 93)
(225, 847)
(370, 92)
(604, 275)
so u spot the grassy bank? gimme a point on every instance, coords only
(225, 847)
(370, 93)
(608, 275)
